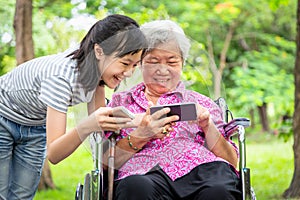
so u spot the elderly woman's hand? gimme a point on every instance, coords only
(154, 126)
(203, 117)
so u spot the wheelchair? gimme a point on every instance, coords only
(98, 184)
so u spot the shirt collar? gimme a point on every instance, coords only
(138, 93)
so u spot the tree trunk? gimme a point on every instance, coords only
(218, 72)
(252, 118)
(23, 31)
(294, 189)
(264, 117)
(25, 52)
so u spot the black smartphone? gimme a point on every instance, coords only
(185, 111)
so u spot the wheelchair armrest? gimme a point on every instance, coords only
(231, 127)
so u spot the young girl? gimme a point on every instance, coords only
(35, 96)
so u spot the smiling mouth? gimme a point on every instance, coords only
(161, 80)
(119, 79)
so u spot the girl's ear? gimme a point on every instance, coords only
(98, 51)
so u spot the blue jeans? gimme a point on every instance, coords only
(22, 155)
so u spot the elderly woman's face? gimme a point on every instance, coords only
(162, 69)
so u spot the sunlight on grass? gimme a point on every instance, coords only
(67, 174)
(271, 165)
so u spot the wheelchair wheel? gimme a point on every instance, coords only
(78, 194)
(87, 187)
(253, 196)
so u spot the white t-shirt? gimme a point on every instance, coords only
(27, 91)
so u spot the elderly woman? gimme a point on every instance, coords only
(164, 159)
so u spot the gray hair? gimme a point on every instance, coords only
(162, 31)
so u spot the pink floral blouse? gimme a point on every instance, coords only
(178, 154)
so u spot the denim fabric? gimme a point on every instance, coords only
(22, 155)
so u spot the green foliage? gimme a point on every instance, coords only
(6, 36)
(254, 86)
(8, 64)
(196, 73)
(196, 79)
(285, 128)
(61, 8)
(56, 36)
(265, 75)
(263, 41)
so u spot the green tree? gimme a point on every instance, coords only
(7, 50)
(265, 78)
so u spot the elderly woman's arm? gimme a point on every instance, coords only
(219, 145)
(124, 152)
(214, 140)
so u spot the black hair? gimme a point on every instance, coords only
(115, 33)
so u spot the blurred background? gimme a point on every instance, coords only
(242, 50)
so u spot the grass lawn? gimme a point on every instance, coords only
(67, 174)
(270, 160)
(272, 165)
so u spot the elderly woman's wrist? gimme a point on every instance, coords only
(208, 126)
(136, 143)
(133, 145)
(212, 135)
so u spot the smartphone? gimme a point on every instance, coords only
(121, 111)
(185, 111)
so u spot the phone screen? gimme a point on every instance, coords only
(185, 111)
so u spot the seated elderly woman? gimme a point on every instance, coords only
(162, 158)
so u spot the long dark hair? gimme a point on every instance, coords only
(115, 34)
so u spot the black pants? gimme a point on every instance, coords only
(215, 181)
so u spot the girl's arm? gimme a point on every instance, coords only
(61, 144)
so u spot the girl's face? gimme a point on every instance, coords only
(162, 69)
(115, 69)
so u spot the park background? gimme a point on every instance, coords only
(243, 50)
